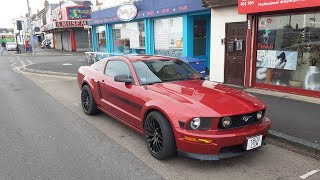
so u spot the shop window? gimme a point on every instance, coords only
(288, 51)
(101, 39)
(129, 37)
(168, 36)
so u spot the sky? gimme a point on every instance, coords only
(11, 9)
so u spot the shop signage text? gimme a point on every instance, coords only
(149, 9)
(127, 12)
(68, 24)
(78, 12)
(256, 6)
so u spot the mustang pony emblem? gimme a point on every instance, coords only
(246, 118)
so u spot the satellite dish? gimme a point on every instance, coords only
(36, 29)
(87, 3)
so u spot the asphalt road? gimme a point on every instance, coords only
(81, 142)
(55, 63)
(42, 139)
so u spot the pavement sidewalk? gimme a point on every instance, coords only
(296, 119)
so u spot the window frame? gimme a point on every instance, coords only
(116, 59)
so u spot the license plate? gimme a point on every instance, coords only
(254, 142)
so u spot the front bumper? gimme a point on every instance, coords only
(236, 151)
(225, 143)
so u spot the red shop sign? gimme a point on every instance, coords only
(255, 6)
(68, 24)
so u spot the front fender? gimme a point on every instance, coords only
(173, 111)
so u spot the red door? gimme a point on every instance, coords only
(236, 34)
(73, 41)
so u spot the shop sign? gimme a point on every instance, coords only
(256, 6)
(127, 12)
(78, 12)
(266, 39)
(69, 24)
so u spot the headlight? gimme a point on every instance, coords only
(226, 122)
(259, 115)
(195, 123)
(200, 124)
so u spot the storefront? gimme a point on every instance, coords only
(286, 45)
(68, 28)
(170, 28)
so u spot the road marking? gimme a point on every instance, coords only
(29, 61)
(46, 81)
(13, 63)
(76, 104)
(305, 176)
(67, 64)
(22, 63)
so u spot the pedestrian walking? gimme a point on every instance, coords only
(4, 47)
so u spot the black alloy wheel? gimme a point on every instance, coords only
(159, 136)
(87, 102)
(154, 135)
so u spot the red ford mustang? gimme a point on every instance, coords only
(174, 107)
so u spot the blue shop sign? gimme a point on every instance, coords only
(79, 12)
(149, 9)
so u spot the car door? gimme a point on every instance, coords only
(98, 78)
(118, 94)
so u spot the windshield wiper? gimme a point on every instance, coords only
(150, 83)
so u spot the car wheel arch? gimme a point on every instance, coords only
(148, 111)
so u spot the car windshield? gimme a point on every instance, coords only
(158, 71)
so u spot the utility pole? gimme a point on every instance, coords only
(31, 32)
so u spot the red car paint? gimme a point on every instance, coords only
(179, 101)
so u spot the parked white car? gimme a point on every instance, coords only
(11, 46)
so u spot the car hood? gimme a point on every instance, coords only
(209, 99)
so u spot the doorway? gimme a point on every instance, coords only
(235, 48)
(201, 39)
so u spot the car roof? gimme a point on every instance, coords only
(144, 57)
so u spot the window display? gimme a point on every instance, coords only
(101, 38)
(168, 36)
(288, 51)
(129, 37)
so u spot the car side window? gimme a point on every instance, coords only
(98, 66)
(117, 67)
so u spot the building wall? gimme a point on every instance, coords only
(219, 17)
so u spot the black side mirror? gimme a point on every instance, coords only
(123, 78)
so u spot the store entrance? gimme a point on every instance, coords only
(201, 39)
(235, 53)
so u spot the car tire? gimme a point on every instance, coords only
(156, 129)
(87, 101)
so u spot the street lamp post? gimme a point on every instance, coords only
(31, 32)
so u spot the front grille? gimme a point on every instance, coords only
(239, 120)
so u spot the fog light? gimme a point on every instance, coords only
(226, 122)
(259, 115)
(195, 123)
